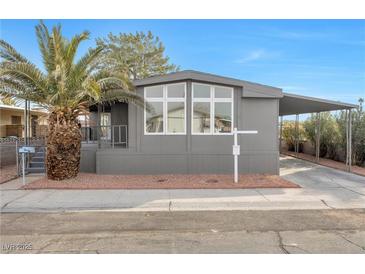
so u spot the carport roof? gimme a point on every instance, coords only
(297, 104)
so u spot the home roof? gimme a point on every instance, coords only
(15, 108)
(297, 104)
(289, 103)
(249, 88)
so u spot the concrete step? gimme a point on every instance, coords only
(36, 164)
(35, 170)
(37, 159)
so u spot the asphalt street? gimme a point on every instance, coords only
(275, 231)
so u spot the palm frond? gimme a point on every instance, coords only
(73, 46)
(87, 62)
(15, 89)
(46, 46)
(119, 95)
(67, 84)
(8, 53)
(83, 69)
(27, 74)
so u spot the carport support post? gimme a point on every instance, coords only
(318, 135)
(350, 141)
(297, 134)
(347, 136)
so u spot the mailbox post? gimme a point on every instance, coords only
(236, 149)
(23, 151)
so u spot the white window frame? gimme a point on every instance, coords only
(212, 100)
(165, 100)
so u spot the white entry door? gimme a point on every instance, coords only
(105, 123)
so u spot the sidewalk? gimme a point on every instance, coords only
(178, 200)
(322, 188)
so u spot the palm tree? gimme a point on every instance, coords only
(6, 100)
(66, 87)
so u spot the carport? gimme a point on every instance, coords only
(292, 104)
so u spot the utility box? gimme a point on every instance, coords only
(236, 149)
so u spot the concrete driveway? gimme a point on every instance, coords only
(322, 188)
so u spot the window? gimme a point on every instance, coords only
(16, 120)
(168, 104)
(212, 109)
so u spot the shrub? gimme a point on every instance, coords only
(289, 135)
(330, 135)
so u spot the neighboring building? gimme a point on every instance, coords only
(12, 121)
(190, 127)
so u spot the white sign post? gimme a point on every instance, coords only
(23, 151)
(236, 149)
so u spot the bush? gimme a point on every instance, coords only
(358, 133)
(289, 135)
(333, 134)
(330, 135)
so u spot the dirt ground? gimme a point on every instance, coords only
(7, 173)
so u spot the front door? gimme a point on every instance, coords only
(105, 123)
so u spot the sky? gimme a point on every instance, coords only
(320, 58)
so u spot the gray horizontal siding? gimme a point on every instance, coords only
(159, 154)
(120, 162)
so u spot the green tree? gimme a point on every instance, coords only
(330, 135)
(289, 134)
(66, 87)
(140, 55)
(358, 132)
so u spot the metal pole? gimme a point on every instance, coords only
(27, 117)
(17, 157)
(318, 135)
(281, 133)
(23, 164)
(236, 149)
(297, 134)
(27, 160)
(25, 122)
(29, 122)
(126, 136)
(347, 137)
(350, 140)
(235, 142)
(112, 136)
(98, 127)
(28, 135)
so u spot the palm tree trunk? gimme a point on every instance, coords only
(63, 145)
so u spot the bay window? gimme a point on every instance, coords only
(168, 104)
(212, 109)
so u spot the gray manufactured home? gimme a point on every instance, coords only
(189, 129)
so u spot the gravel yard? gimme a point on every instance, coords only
(166, 181)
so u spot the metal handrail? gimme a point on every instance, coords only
(107, 136)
